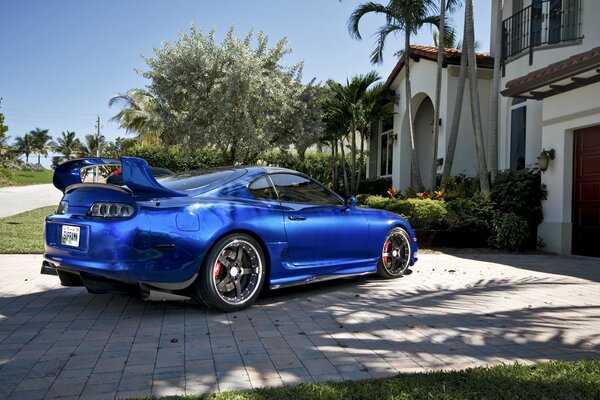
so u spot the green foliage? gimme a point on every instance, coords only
(460, 186)
(232, 96)
(23, 233)
(176, 158)
(456, 223)
(553, 380)
(518, 192)
(468, 223)
(376, 186)
(510, 232)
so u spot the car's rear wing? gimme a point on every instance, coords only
(137, 176)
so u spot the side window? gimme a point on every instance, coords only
(297, 189)
(262, 189)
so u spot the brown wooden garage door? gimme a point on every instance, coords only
(586, 192)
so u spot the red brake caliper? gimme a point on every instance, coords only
(386, 247)
(218, 268)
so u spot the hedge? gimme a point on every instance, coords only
(457, 223)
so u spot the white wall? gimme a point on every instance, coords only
(543, 56)
(562, 115)
(423, 86)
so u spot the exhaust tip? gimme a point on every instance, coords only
(48, 268)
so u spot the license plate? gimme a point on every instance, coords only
(70, 235)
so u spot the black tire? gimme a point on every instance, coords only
(395, 254)
(232, 274)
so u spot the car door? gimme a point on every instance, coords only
(320, 230)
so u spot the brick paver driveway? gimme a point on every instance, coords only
(452, 312)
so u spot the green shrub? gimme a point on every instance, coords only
(376, 186)
(469, 223)
(519, 192)
(511, 232)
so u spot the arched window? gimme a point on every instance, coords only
(518, 122)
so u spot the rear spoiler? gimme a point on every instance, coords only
(137, 176)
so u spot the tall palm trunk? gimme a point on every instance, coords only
(416, 182)
(495, 95)
(361, 160)
(346, 188)
(438, 96)
(334, 168)
(460, 94)
(475, 110)
(352, 159)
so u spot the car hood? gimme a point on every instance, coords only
(137, 176)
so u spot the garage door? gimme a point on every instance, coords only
(586, 192)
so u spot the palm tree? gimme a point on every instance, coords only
(41, 140)
(25, 145)
(354, 106)
(495, 95)
(406, 16)
(139, 115)
(474, 97)
(445, 35)
(68, 145)
(91, 146)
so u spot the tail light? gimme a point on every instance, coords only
(111, 210)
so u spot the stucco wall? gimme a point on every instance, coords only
(562, 115)
(423, 86)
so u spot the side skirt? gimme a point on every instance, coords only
(320, 278)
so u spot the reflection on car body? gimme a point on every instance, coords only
(214, 236)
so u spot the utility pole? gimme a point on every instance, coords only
(96, 169)
(98, 136)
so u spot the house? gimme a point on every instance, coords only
(389, 147)
(550, 104)
(549, 113)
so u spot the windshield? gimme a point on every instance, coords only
(197, 179)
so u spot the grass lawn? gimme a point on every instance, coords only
(23, 233)
(10, 177)
(550, 380)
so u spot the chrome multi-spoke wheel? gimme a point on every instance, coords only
(395, 254)
(233, 273)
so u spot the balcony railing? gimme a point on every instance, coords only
(542, 23)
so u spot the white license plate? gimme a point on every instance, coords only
(70, 235)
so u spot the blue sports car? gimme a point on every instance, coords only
(213, 236)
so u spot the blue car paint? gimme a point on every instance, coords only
(167, 238)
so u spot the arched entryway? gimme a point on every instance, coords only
(423, 126)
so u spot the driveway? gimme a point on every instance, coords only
(17, 199)
(453, 312)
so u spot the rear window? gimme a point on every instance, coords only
(198, 179)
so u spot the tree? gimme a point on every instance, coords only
(4, 148)
(91, 145)
(41, 142)
(236, 97)
(68, 145)
(407, 17)
(474, 97)
(495, 95)
(140, 114)
(438, 84)
(25, 145)
(350, 109)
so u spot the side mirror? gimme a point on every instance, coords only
(350, 201)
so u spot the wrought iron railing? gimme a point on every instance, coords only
(542, 23)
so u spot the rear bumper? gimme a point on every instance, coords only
(125, 251)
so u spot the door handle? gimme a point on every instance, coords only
(296, 218)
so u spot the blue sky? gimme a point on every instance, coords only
(62, 60)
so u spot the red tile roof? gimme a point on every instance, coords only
(451, 56)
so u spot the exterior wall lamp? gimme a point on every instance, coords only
(544, 159)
